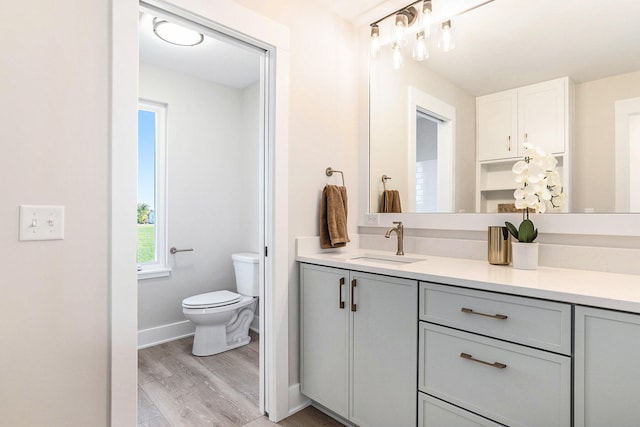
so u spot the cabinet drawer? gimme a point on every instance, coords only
(536, 323)
(436, 413)
(516, 385)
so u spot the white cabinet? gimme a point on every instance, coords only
(359, 359)
(497, 125)
(490, 354)
(538, 114)
(607, 353)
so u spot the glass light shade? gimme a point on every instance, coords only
(425, 19)
(396, 58)
(447, 40)
(402, 22)
(176, 34)
(375, 40)
(420, 48)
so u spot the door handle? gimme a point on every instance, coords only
(341, 301)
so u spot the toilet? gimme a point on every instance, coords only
(222, 318)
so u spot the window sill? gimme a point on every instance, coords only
(154, 274)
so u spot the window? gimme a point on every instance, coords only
(151, 218)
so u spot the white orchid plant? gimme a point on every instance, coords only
(540, 189)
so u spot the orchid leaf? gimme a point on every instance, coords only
(512, 229)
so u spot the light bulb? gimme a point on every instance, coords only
(396, 58)
(375, 40)
(447, 39)
(426, 18)
(402, 22)
(420, 48)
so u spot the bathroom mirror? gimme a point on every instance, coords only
(504, 45)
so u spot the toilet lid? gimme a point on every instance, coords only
(211, 299)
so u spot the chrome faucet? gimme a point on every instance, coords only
(399, 229)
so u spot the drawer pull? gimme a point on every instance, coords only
(341, 304)
(493, 316)
(353, 301)
(497, 365)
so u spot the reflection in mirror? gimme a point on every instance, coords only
(504, 46)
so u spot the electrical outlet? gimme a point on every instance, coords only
(372, 219)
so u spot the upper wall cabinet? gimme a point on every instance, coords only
(537, 114)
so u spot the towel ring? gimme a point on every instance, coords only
(330, 172)
(384, 181)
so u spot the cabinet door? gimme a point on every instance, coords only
(324, 336)
(607, 353)
(433, 412)
(497, 122)
(384, 351)
(542, 115)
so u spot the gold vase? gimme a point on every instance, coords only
(498, 245)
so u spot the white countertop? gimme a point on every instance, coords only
(592, 288)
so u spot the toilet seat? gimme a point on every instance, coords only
(211, 300)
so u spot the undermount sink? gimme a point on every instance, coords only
(381, 259)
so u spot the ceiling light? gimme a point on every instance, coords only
(176, 34)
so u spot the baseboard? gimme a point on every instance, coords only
(297, 400)
(164, 333)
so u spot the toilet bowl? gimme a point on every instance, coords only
(222, 318)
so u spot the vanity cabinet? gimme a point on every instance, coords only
(358, 345)
(538, 114)
(607, 376)
(499, 357)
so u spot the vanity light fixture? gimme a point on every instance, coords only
(176, 34)
(419, 13)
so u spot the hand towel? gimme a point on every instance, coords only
(391, 201)
(333, 217)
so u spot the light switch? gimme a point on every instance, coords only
(41, 222)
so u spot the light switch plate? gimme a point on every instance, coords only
(41, 222)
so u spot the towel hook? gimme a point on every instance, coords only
(384, 181)
(330, 172)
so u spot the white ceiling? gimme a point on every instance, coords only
(504, 44)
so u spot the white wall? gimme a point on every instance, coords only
(323, 124)
(54, 139)
(389, 109)
(212, 187)
(594, 140)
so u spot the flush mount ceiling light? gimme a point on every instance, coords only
(176, 34)
(415, 19)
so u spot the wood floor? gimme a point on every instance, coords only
(177, 389)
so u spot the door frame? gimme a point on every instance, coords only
(624, 110)
(246, 25)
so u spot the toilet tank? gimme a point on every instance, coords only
(247, 267)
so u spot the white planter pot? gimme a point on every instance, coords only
(524, 255)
